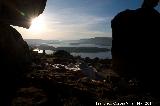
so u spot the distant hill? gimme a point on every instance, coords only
(103, 41)
(106, 41)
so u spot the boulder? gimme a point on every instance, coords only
(14, 51)
(20, 12)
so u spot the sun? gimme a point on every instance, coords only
(38, 25)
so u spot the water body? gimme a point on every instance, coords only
(64, 44)
(102, 55)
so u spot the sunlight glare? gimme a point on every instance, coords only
(38, 25)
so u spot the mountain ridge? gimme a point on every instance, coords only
(106, 41)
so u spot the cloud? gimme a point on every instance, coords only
(69, 23)
(66, 20)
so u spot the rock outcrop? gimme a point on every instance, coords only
(20, 12)
(14, 51)
(135, 45)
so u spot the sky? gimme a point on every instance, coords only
(76, 19)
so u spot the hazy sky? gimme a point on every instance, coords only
(75, 19)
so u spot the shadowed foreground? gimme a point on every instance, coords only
(75, 81)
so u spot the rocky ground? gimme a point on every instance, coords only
(55, 81)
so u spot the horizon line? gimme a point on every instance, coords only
(64, 39)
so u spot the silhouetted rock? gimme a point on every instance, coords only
(62, 57)
(14, 51)
(14, 60)
(62, 54)
(135, 43)
(20, 13)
